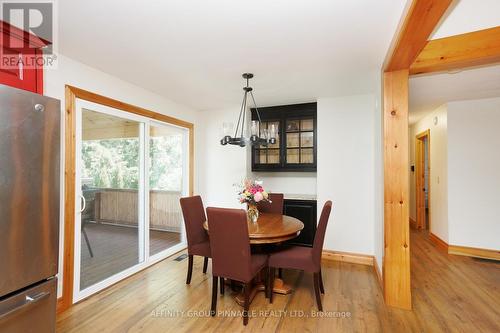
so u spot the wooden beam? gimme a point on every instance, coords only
(421, 18)
(456, 52)
(396, 190)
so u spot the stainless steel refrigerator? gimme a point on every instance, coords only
(29, 210)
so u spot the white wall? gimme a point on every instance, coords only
(219, 166)
(82, 76)
(288, 182)
(474, 173)
(346, 159)
(439, 170)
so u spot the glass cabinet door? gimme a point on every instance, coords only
(271, 154)
(300, 141)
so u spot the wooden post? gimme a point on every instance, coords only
(396, 193)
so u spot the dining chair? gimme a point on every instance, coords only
(273, 207)
(303, 258)
(197, 237)
(231, 255)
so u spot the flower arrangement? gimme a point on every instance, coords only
(251, 192)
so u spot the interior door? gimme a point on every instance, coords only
(420, 182)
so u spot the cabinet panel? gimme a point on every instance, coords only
(20, 67)
(305, 211)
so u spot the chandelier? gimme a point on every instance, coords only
(257, 137)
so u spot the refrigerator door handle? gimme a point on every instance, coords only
(84, 203)
(29, 301)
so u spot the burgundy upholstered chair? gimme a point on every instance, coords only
(197, 237)
(304, 258)
(273, 207)
(231, 255)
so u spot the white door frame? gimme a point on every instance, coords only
(143, 224)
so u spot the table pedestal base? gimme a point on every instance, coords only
(279, 287)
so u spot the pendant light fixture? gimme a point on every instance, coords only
(262, 137)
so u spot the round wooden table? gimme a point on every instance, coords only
(270, 229)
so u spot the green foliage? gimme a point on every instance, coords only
(165, 172)
(114, 163)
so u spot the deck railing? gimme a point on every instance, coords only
(120, 206)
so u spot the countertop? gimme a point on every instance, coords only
(295, 196)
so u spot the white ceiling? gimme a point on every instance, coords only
(194, 52)
(468, 15)
(431, 91)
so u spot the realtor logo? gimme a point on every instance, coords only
(29, 32)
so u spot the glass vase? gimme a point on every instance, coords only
(253, 213)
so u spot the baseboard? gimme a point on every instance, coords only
(378, 271)
(464, 250)
(353, 258)
(413, 223)
(441, 244)
(474, 252)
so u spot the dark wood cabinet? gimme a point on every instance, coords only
(295, 147)
(305, 211)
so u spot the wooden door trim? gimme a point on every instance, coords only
(71, 94)
(420, 137)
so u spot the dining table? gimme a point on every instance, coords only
(269, 229)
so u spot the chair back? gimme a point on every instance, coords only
(273, 207)
(319, 237)
(229, 243)
(194, 217)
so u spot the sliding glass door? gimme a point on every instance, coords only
(167, 183)
(131, 173)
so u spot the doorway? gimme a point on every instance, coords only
(422, 179)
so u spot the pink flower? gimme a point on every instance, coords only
(258, 196)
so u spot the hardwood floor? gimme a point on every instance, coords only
(115, 249)
(450, 294)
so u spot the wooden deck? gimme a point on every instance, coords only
(450, 294)
(115, 249)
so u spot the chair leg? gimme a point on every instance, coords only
(271, 283)
(222, 287)
(316, 291)
(246, 305)
(321, 286)
(266, 282)
(205, 265)
(214, 296)
(280, 273)
(190, 269)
